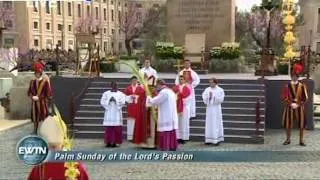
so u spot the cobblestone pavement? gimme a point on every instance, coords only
(11, 168)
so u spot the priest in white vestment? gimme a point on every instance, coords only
(193, 80)
(167, 123)
(113, 100)
(213, 96)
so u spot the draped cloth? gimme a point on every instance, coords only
(294, 93)
(136, 114)
(183, 107)
(55, 171)
(212, 98)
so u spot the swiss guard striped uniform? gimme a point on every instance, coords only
(294, 93)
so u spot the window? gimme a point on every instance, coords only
(69, 9)
(126, 17)
(35, 25)
(70, 28)
(156, 5)
(35, 6)
(48, 26)
(318, 20)
(119, 31)
(7, 4)
(88, 10)
(59, 43)
(139, 5)
(9, 42)
(79, 10)
(47, 7)
(97, 13)
(70, 42)
(112, 45)
(119, 16)
(138, 16)
(112, 15)
(125, 4)
(120, 45)
(59, 7)
(8, 24)
(105, 46)
(49, 43)
(318, 47)
(36, 42)
(60, 27)
(111, 1)
(119, 4)
(113, 31)
(105, 30)
(104, 1)
(104, 14)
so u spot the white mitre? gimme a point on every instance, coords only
(53, 130)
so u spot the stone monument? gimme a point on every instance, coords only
(214, 18)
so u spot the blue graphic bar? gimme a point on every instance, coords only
(183, 156)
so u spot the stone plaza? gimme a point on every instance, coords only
(306, 165)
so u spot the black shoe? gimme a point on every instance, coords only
(180, 141)
(287, 142)
(302, 144)
(208, 144)
(113, 145)
(183, 141)
(108, 145)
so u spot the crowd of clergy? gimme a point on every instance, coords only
(161, 119)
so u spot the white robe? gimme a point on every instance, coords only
(195, 82)
(149, 71)
(166, 102)
(183, 131)
(113, 110)
(214, 125)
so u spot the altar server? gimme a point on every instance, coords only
(113, 100)
(183, 92)
(192, 78)
(213, 96)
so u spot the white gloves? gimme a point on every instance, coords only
(35, 98)
(294, 105)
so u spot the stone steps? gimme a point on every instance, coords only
(239, 113)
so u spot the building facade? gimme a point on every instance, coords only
(45, 24)
(309, 32)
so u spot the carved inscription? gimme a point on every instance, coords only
(199, 15)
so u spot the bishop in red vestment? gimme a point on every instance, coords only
(183, 93)
(136, 112)
(40, 93)
(294, 97)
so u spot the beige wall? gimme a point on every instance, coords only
(309, 33)
(27, 17)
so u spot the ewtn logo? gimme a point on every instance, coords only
(32, 150)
